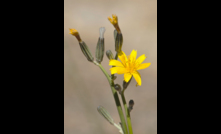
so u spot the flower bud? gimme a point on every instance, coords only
(105, 114)
(86, 51)
(100, 50)
(131, 104)
(118, 42)
(109, 55)
(100, 46)
(118, 88)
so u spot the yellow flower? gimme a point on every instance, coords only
(129, 66)
(114, 21)
(73, 32)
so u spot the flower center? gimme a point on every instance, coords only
(131, 65)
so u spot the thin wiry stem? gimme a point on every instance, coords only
(127, 112)
(116, 98)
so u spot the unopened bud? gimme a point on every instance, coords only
(131, 104)
(105, 114)
(118, 88)
(118, 42)
(109, 55)
(86, 51)
(125, 84)
(115, 34)
(100, 50)
(100, 46)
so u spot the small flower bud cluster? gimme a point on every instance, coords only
(86, 51)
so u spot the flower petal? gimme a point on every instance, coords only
(127, 76)
(118, 70)
(133, 56)
(143, 66)
(122, 56)
(113, 70)
(140, 60)
(116, 63)
(137, 77)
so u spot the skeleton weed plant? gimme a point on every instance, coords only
(128, 65)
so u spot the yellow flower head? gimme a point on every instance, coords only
(114, 21)
(129, 66)
(73, 32)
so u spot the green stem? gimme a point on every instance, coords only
(116, 56)
(116, 98)
(127, 112)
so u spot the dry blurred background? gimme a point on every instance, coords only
(86, 87)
